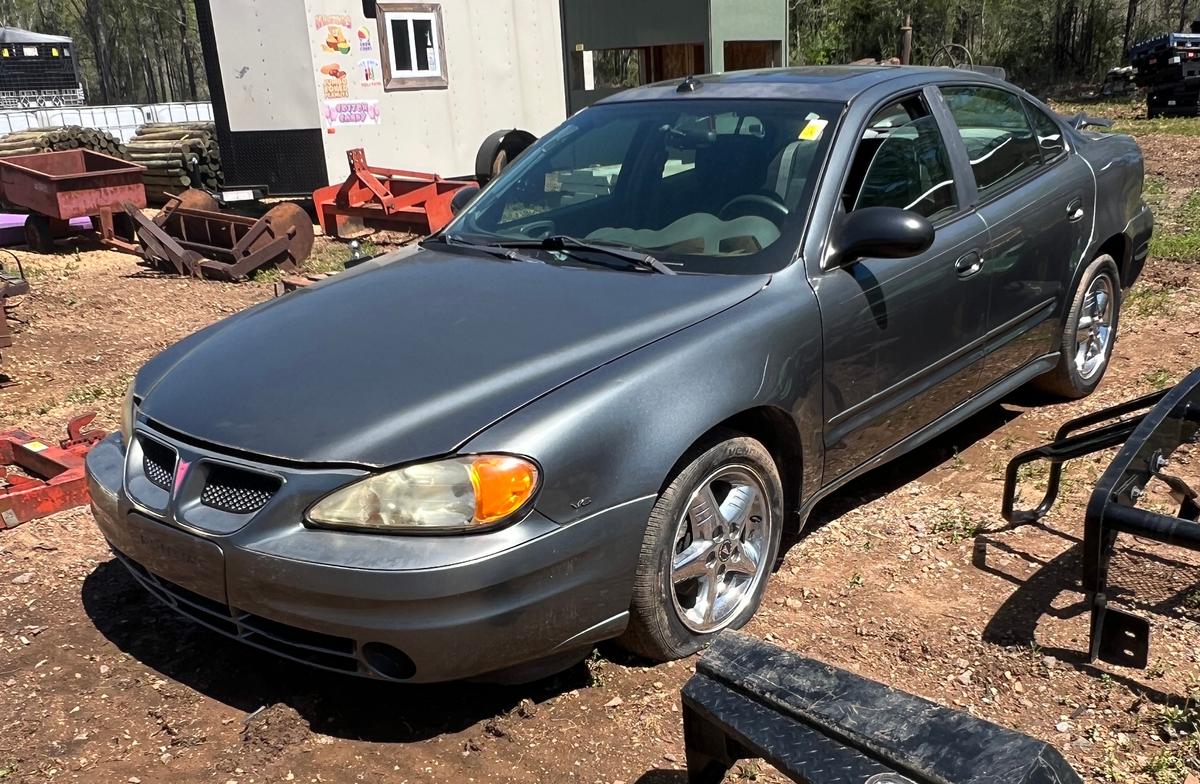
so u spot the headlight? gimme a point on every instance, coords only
(460, 494)
(128, 410)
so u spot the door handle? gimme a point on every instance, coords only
(1075, 210)
(968, 264)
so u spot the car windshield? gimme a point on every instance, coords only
(721, 186)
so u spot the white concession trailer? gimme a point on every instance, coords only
(297, 83)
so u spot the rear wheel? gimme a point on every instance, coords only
(710, 544)
(1089, 332)
(39, 235)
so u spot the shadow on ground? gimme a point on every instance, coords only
(915, 464)
(1146, 582)
(248, 679)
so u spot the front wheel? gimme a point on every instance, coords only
(1089, 332)
(710, 545)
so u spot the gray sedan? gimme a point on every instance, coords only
(590, 407)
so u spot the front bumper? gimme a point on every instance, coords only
(412, 608)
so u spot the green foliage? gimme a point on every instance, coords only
(957, 524)
(1160, 378)
(1039, 44)
(1178, 234)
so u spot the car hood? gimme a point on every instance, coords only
(410, 355)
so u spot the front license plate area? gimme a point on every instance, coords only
(181, 558)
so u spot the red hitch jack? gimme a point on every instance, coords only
(52, 478)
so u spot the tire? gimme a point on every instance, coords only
(1074, 378)
(39, 236)
(672, 615)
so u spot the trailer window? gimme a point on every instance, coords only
(414, 52)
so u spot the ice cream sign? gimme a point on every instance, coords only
(350, 112)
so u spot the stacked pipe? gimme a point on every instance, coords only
(71, 137)
(177, 156)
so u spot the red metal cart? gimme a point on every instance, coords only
(58, 186)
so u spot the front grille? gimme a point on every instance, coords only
(232, 490)
(158, 463)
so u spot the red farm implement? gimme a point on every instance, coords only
(49, 478)
(387, 199)
(55, 187)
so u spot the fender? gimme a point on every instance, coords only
(632, 419)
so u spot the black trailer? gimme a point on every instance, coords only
(37, 71)
(1168, 67)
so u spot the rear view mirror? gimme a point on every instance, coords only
(881, 232)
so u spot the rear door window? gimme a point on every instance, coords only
(995, 129)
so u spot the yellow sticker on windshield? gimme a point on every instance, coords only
(813, 130)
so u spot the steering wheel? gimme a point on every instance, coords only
(770, 201)
(536, 230)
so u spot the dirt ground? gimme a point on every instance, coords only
(907, 576)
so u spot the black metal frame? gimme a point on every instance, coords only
(1166, 421)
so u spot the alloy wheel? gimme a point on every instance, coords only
(1094, 329)
(721, 544)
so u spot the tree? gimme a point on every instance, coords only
(128, 51)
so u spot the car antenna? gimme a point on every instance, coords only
(688, 85)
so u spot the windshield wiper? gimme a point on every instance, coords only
(561, 242)
(490, 248)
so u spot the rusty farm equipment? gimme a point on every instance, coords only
(56, 187)
(386, 199)
(190, 236)
(48, 478)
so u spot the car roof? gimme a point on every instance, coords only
(841, 83)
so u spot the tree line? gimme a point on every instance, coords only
(1042, 44)
(127, 51)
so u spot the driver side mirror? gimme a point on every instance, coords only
(880, 232)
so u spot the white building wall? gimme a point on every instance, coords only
(504, 67)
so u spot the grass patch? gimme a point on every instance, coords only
(1192, 600)
(332, 256)
(1160, 378)
(271, 275)
(1178, 234)
(94, 392)
(1145, 300)
(1167, 767)
(1173, 126)
(956, 524)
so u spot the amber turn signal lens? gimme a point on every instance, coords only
(502, 486)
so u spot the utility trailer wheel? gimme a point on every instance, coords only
(39, 234)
